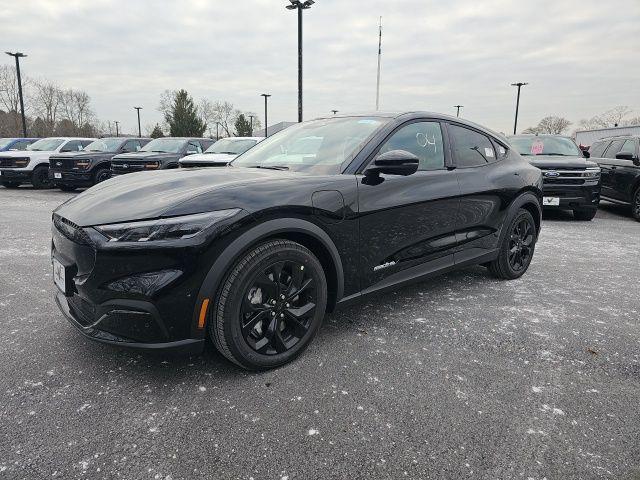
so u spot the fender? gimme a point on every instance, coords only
(267, 229)
(523, 198)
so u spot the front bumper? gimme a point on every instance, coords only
(15, 175)
(76, 179)
(573, 196)
(191, 346)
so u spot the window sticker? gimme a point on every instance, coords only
(423, 141)
(537, 147)
(488, 152)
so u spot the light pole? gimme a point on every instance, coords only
(334, 111)
(266, 111)
(17, 56)
(458, 107)
(139, 129)
(519, 85)
(299, 5)
(251, 117)
(117, 133)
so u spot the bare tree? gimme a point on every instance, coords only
(550, 124)
(610, 118)
(166, 103)
(46, 101)
(76, 108)
(9, 99)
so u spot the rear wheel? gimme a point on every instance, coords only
(40, 178)
(585, 215)
(635, 205)
(517, 247)
(101, 175)
(10, 184)
(270, 306)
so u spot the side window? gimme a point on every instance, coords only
(84, 143)
(193, 147)
(423, 139)
(629, 146)
(597, 150)
(470, 148)
(131, 146)
(614, 148)
(19, 145)
(72, 146)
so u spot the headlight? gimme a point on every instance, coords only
(83, 164)
(21, 162)
(152, 165)
(592, 172)
(174, 228)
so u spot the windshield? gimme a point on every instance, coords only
(318, 146)
(164, 145)
(4, 142)
(46, 144)
(104, 145)
(530, 145)
(231, 146)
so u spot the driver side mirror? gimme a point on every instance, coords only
(625, 156)
(586, 154)
(394, 162)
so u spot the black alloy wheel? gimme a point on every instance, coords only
(635, 205)
(40, 178)
(101, 175)
(518, 246)
(270, 306)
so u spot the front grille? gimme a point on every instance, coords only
(62, 163)
(564, 176)
(563, 181)
(71, 231)
(11, 162)
(127, 167)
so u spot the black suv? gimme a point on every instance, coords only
(254, 254)
(619, 159)
(571, 182)
(92, 165)
(159, 154)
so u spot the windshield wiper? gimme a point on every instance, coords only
(556, 154)
(271, 167)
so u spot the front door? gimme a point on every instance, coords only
(407, 224)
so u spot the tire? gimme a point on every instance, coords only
(517, 240)
(101, 175)
(67, 188)
(585, 215)
(40, 178)
(635, 204)
(10, 184)
(251, 324)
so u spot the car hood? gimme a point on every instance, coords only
(146, 195)
(558, 162)
(145, 156)
(27, 153)
(209, 157)
(82, 155)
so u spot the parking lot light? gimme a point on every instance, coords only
(519, 85)
(139, 129)
(266, 111)
(458, 107)
(300, 6)
(18, 56)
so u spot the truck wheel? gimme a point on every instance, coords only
(585, 215)
(40, 178)
(635, 204)
(270, 306)
(101, 175)
(10, 184)
(517, 247)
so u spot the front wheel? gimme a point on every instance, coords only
(101, 175)
(270, 306)
(585, 215)
(517, 248)
(40, 178)
(635, 205)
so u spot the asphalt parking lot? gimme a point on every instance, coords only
(459, 377)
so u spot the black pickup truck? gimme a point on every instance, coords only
(159, 154)
(571, 181)
(91, 165)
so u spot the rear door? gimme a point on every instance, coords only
(407, 224)
(609, 165)
(486, 189)
(626, 171)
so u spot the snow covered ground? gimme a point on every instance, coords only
(459, 377)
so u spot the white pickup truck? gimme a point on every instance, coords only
(32, 165)
(220, 153)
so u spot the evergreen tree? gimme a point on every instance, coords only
(243, 127)
(157, 132)
(183, 117)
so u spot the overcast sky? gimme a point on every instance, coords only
(581, 57)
